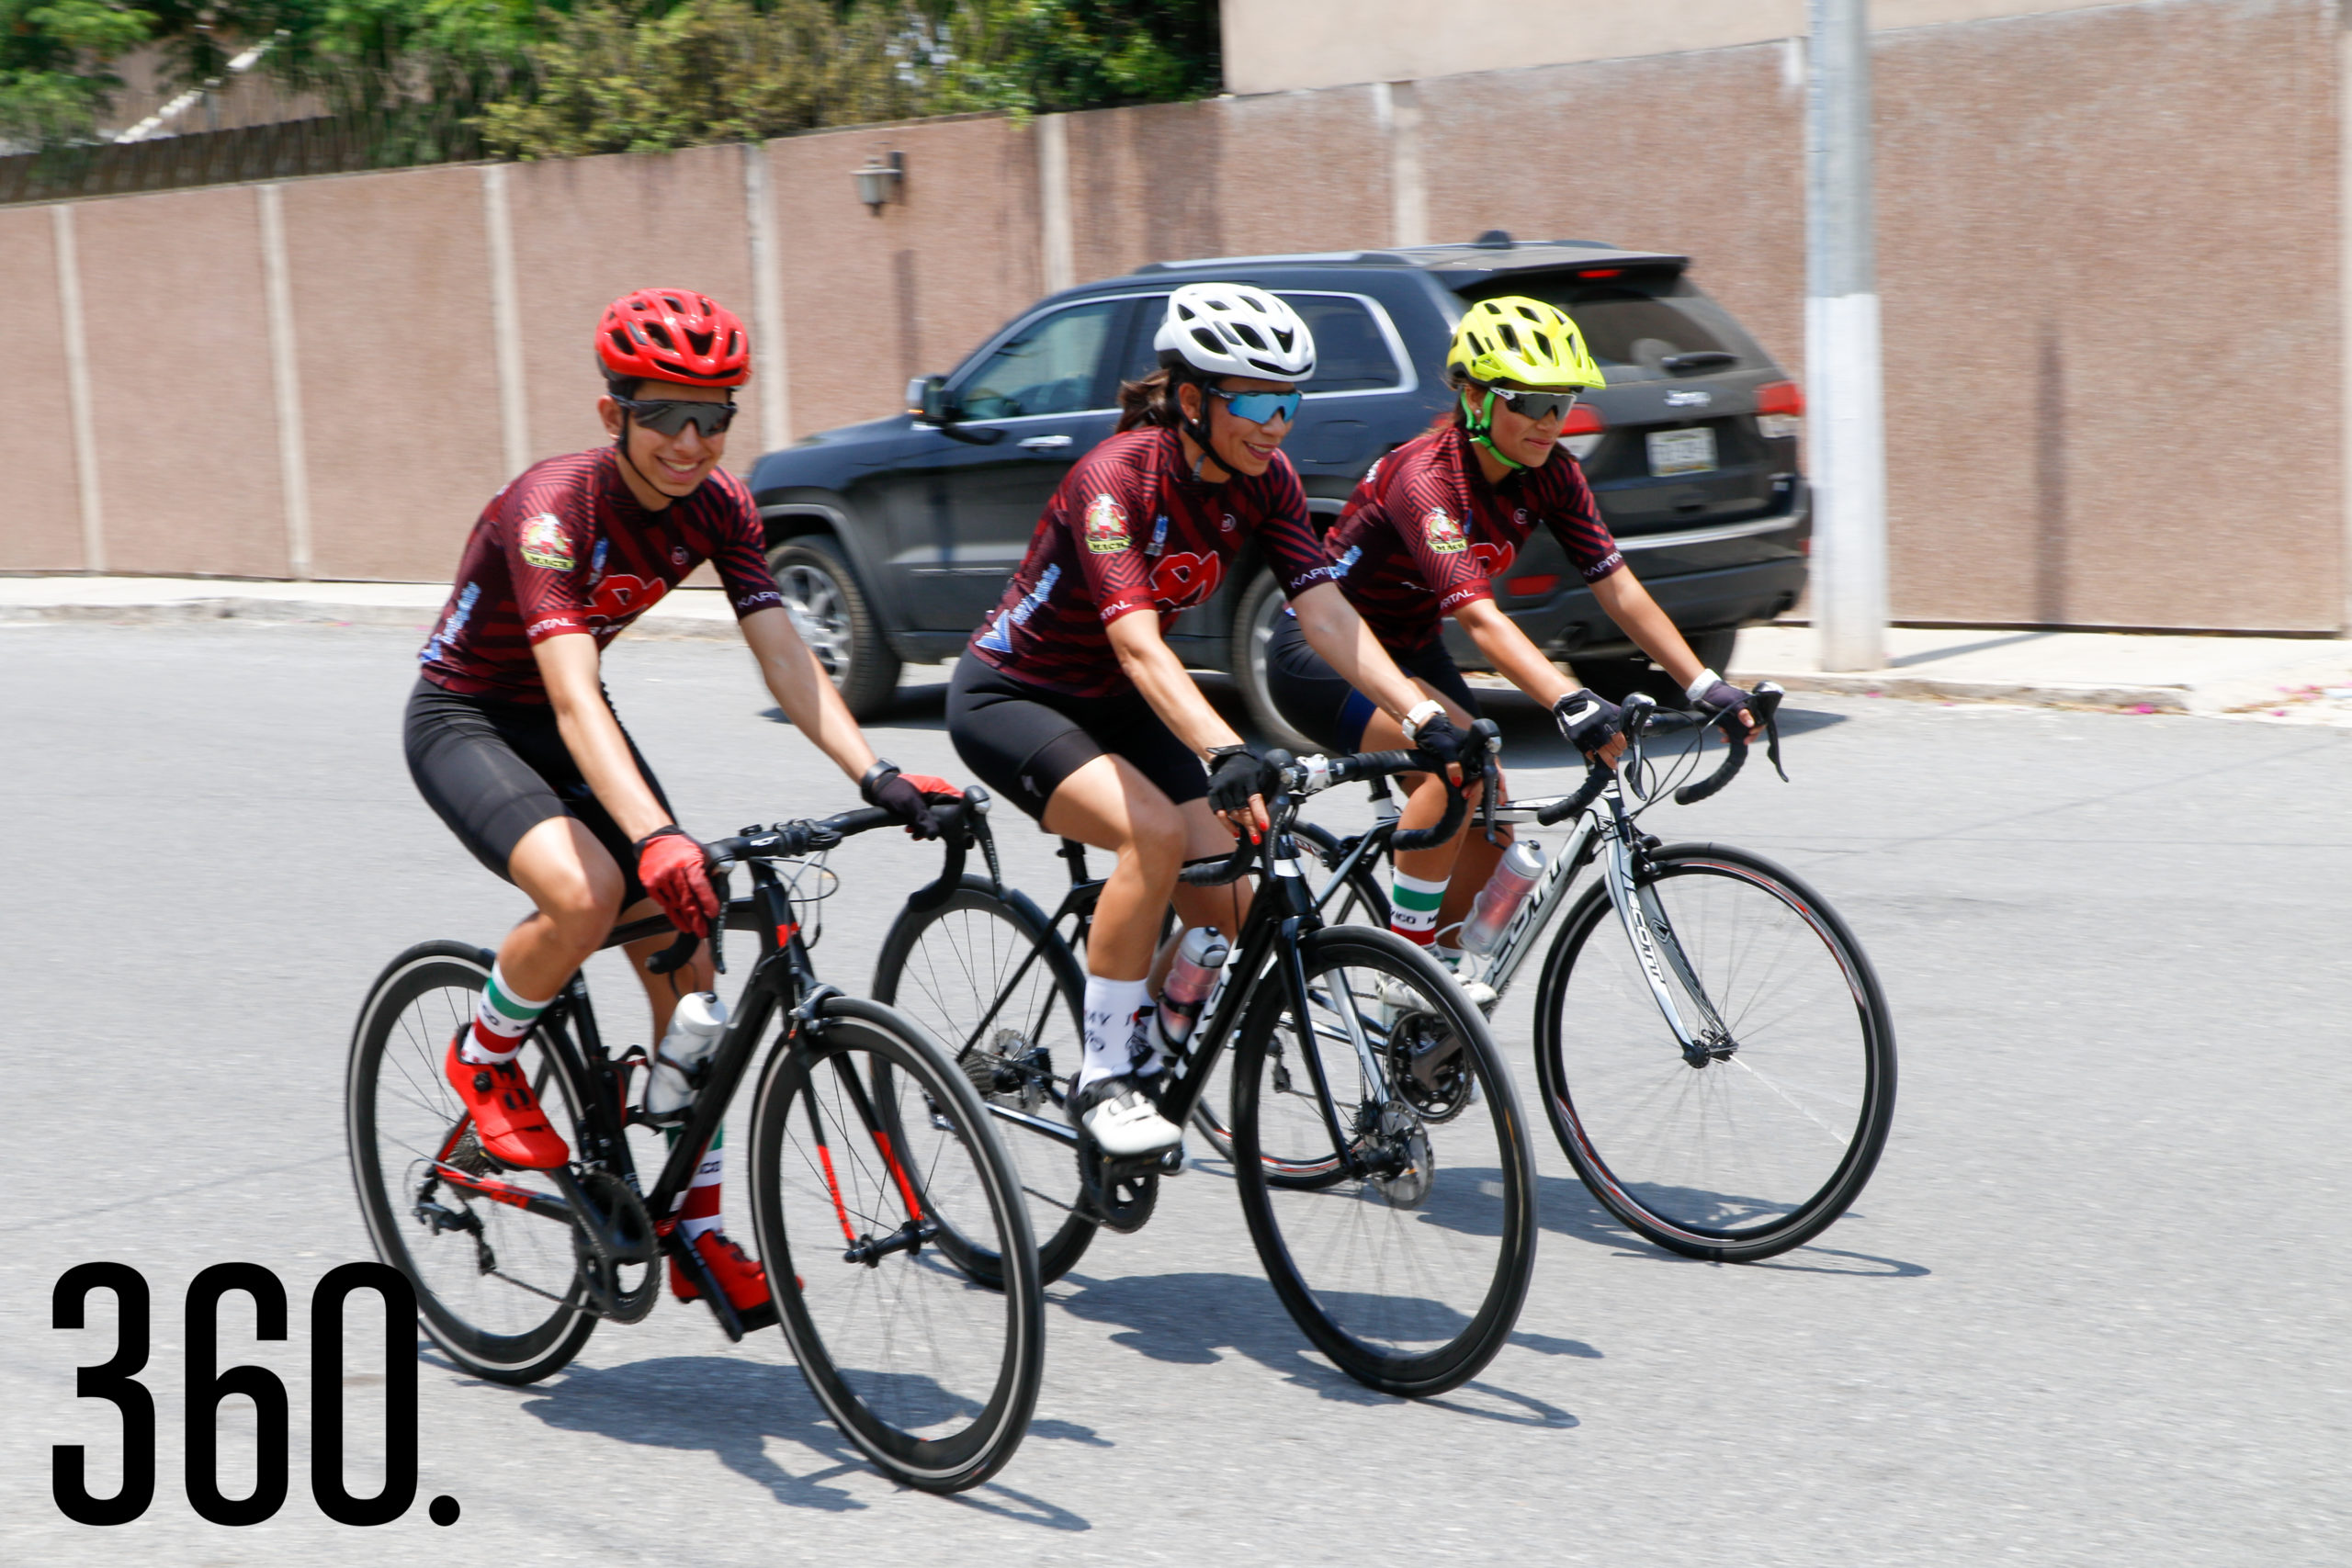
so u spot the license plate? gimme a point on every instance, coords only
(1682, 452)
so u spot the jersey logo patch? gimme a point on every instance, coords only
(1106, 526)
(1185, 578)
(678, 555)
(1444, 534)
(544, 543)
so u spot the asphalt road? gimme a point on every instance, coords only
(2092, 1309)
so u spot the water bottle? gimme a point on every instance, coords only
(1500, 898)
(695, 1028)
(1198, 959)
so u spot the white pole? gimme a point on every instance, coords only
(1841, 332)
(286, 382)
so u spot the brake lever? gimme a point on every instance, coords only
(1768, 697)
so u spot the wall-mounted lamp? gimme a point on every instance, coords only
(880, 181)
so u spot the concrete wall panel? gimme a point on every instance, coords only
(871, 299)
(1700, 154)
(173, 314)
(41, 522)
(1304, 172)
(2112, 318)
(1149, 184)
(391, 279)
(588, 230)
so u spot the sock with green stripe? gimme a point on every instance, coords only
(501, 1020)
(1412, 908)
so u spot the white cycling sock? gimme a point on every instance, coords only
(501, 1020)
(1110, 1009)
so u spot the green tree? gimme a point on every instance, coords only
(56, 65)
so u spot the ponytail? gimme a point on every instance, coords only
(1150, 401)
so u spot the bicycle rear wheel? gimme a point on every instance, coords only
(1360, 903)
(861, 1214)
(498, 1287)
(1406, 1260)
(1753, 1146)
(988, 978)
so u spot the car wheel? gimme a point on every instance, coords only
(1254, 629)
(1617, 679)
(837, 622)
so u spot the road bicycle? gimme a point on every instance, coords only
(899, 1259)
(1722, 1077)
(1404, 1262)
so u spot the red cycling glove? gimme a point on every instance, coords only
(670, 864)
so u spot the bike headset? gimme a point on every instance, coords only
(668, 334)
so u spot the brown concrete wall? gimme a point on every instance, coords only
(40, 520)
(1697, 153)
(588, 230)
(870, 300)
(173, 312)
(391, 281)
(1149, 184)
(2108, 249)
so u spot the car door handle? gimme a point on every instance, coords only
(1045, 443)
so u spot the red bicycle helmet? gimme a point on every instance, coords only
(673, 334)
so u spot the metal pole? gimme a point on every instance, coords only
(1841, 340)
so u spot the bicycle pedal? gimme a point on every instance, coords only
(1172, 1162)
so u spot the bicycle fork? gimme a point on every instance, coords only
(1644, 918)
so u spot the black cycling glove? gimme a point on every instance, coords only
(1438, 737)
(1588, 720)
(885, 787)
(1721, 695)
(1235, 773)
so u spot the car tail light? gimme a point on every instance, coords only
(1780, 410)
(1603, 272)
(1529, 587)
(1582, 431)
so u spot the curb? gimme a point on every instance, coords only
(295, 611)
(2040, 693)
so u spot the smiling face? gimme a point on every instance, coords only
(1527, 442)
(662, 468)
(1239, 446)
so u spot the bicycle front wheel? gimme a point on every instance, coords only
(988, 978)
(497, 1287)
(1742, 1146)
(1406, 1260)
(865, 1213)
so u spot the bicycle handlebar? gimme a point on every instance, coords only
(1763, 704)
(955, 819)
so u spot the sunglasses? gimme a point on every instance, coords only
(669, 416)
(1259, 407)
(1537, 406)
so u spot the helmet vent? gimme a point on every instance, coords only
(700, 341)
(660, 335)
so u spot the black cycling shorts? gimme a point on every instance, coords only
(1023, 740)
(1316, 702)
(493, 771)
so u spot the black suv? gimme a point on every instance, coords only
(891, 539)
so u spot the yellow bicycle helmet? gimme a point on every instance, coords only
(1522, 340)
(1515, 339)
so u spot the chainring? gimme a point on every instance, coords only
(624, 1241)
(1428, 1065)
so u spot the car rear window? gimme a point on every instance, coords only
(1351, 352)
(1629, 326)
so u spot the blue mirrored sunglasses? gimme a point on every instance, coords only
(1259, 408)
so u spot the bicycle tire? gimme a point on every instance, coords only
(1712, 1163)
(1412, 1283)
(933, 1374)
(1362, 903)
(944, 968)
(396, 1098)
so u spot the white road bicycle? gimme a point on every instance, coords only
(1712, 1047)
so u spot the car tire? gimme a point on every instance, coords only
(837, 622)
(1617, 679)
(1253, 628)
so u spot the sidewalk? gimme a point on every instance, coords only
(2308, 679)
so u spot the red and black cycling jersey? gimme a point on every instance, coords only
(1424, 531)
(567, 547)
(1130, 529)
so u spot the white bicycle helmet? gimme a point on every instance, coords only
(1232, 329)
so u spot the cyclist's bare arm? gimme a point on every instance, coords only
(568, 664)
(804, 691)
(1333, 629)
(1629, 604)
(1514, 657)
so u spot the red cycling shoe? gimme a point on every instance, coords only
(745, 1283)
(507, 1119)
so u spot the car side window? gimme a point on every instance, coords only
(1351, 351)
(1048, 367)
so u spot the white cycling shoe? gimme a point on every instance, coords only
(1406, 997)
(1123, 1123)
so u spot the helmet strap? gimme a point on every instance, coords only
(620, 445)
(1198, 429)
(1480, 423)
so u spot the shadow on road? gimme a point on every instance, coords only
(1567, 1209)
(732, 1408)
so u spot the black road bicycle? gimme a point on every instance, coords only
(1721, 1075)
(1401, 1247)
(900, 1258)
